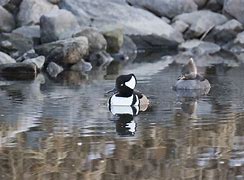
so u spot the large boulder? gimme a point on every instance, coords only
(32, 32)
(96, 40)
(200, 21)
(5, 58)
(134, 21)
(114, 39)
(15, 44)
(64, 52)
(18, 71)
(31, 11)
(166, 8)
(57, 25)
(7, 23)
(235, 9)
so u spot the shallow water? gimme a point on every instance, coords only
(62, 129)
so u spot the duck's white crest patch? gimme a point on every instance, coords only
(131, 83)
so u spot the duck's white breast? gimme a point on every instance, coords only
(123, 101)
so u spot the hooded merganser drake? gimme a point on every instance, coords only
(126, 95)
(190, 79)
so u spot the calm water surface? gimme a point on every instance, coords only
(62, 128)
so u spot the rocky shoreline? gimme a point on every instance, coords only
(80, 35)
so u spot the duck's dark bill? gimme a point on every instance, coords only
(114, 90)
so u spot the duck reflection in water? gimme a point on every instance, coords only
(125, 124)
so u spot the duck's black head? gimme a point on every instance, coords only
(125, 84)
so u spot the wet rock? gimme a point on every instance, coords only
(133, 20)
(199, 47)
(54, 69)
(81, 66)
(153, 41)
(235, 9)
(54, 1)
(7, 23)
(166, 8)
(96, 40)
(128, 51)
(200, 22)
(180, 26)
(18, 71)
(5, 58)
(15, 44)
(100, 59)
(37, 61)
(31, 11)
(32, 32)
(114, 39)
(64, 52)
(57, 25)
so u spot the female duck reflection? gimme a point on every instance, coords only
(126, 102)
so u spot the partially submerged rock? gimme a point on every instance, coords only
(192, 85)
(64, 52)
(81, 66)
(100, 59)
(18, 71)
(114, 40)
(54, 69)
(57, 25)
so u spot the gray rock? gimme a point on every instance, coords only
(54, 69)
(100, 59)
(18, 71)
(200, 3)
(128, 51)
(101, 14)
(4, 2)
(114, 39)
(27, 55)
(230, 25)
(200, 21)
(4, 58)
(38, 61)
(180, 26)
(239, 38)
(57, 25)
(199, 47)
(213, 5)
(166, 8)
(165, 19)
(235, 9)
(221, 2)
(64, 52)
(15, 44)
(32, 32)
(81, 66)
(7, 22)
(31, 11)
(96, 40)
(54, 1)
